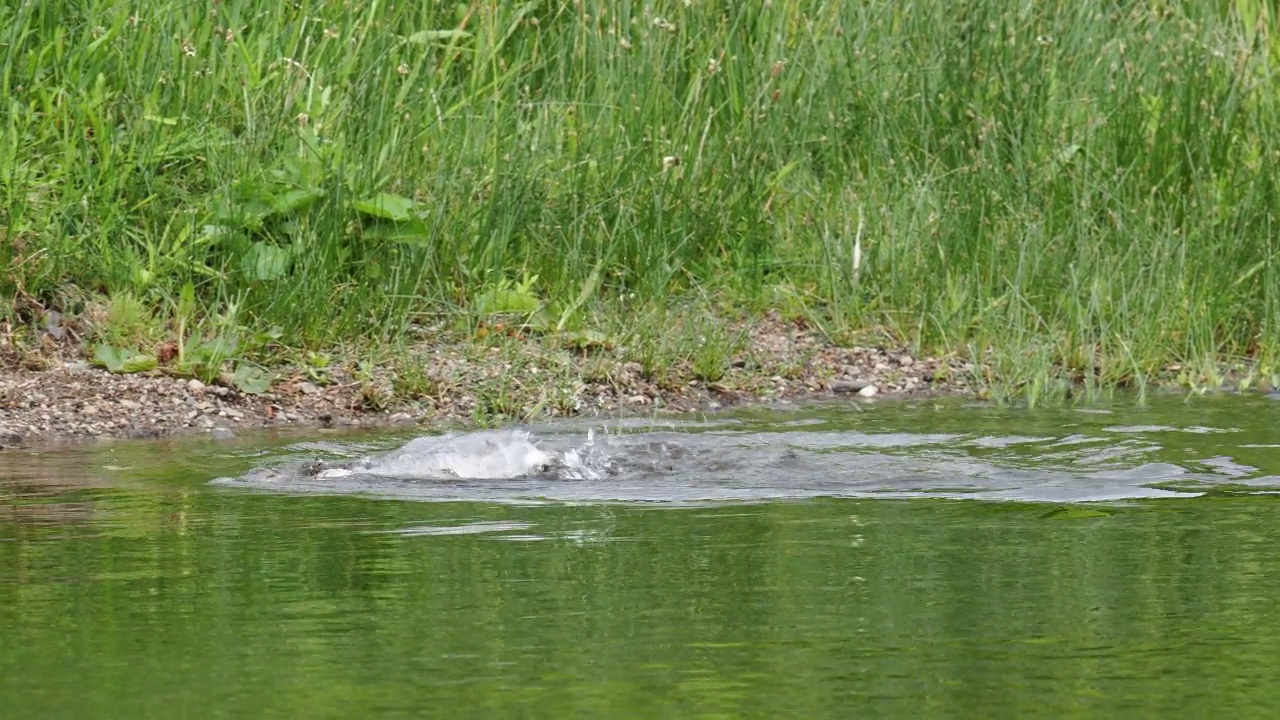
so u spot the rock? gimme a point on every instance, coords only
(906, 361)
(130, 404)
(868, 391)
(308, 388)
(234, 413)
(848, 387)
(195, 386)
(221, 433)
(401, 417)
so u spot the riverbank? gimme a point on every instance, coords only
(55, 394)
(1058, 194)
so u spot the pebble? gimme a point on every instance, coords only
(221, 433)
(779, 360)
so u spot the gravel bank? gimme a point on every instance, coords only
(457, 383)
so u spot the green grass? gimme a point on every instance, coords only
(1076, 191)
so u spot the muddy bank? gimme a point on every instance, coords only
(59, 396)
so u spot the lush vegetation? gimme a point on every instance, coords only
(1064, 185)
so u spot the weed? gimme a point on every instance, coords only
(411, 380)
(127, 321)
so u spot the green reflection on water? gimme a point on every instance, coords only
(205, 603)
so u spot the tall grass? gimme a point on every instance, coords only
(1091, 186)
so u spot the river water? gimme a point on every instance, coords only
(932, 559)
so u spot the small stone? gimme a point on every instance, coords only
(130, 404)
(221, 433)
(234, 413)
(401, 417)
(868, 391)
(308, 388)
(906, 361)
(195, 386)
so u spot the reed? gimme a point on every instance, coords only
(1091, 188)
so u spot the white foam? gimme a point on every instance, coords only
(486, 455)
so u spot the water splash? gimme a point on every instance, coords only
(485, 455)
(1074, 457)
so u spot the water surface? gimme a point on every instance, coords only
(934, 560)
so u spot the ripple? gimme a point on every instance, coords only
(735, 460)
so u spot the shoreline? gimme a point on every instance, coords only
(51, 395)
(357, 219)
(63, 398)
